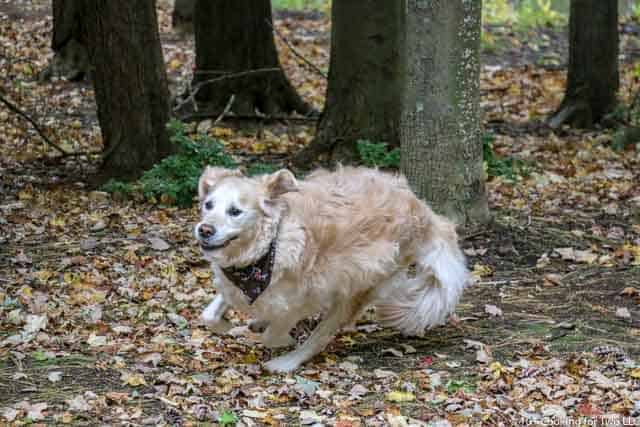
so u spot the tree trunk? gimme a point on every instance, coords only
(70, 58)
(441, 147)
(592, 78)
(236, 49)
(365, 83)
(182, 16)
(130, 85)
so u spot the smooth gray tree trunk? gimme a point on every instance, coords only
(441, 147)
(592, 77)
(364, 91)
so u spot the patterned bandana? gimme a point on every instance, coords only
(253, 279)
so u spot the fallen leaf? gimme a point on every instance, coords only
(400, 396)
(97, 340)
(9, 414)
(78, 404)
(623, 313)
(358, 391)
(310, 417)
(158, 244)
(133, 380)
(492, 310)
(34, 412)
(55, 376)
(392, 351)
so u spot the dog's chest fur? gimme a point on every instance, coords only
(287, 289)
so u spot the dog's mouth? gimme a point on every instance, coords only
(207, 247)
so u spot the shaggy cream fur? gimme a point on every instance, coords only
(346, 240)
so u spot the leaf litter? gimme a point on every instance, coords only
(100, 297)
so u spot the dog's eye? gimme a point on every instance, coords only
(209, 205)
(233, 211)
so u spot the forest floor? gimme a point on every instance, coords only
(99, 297)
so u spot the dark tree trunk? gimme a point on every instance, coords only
(365, 83)
(182, 16)
(592, 78)
(70, 58)
(441, 150)
(235, 46)
(130, 84)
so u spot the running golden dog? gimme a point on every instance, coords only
(283, 250)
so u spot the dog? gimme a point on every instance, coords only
(335, 243)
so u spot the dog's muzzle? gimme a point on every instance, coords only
(205, 233)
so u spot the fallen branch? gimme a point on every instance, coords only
(226, 110)
(25, 116)
(313, 66)
(275, 118)
(199, 85)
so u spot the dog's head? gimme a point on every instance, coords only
(234, 208)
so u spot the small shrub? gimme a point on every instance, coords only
(260, 169)
(496, 166)
(118, 187)
(378, 155)
(175, 178)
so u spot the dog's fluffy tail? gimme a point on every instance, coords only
(426, 300)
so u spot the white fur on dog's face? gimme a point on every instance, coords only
(232, 212)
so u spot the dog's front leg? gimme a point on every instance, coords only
(213, 315)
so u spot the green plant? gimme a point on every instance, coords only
(497, 12)
(524, 14)
(496, 166)
(260, 169)
(536, 13)
(227, 419)
(175, 178)
(113, 186)
(301, 4)
(378, 154)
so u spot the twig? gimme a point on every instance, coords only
(313, 66)
(275, 118)
(226, 110)
(199, 85)
(24, 115)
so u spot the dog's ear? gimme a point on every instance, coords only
(279, 183)
(211, 176)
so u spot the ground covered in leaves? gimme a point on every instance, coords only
(100, 296)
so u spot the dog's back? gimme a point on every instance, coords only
(365, 224)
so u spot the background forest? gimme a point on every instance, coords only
(110, 109)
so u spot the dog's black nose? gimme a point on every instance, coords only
(205, 230)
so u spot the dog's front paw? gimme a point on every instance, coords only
(283, 364)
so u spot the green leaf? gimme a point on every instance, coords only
(227, 418)
(453, 386)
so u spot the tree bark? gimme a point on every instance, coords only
(70, 58)
(130, 85)
(441, 147)
(182, 16)
(592, 78)
(235, 48)
(364, 90)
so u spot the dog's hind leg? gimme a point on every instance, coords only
(213, 315)
(341, 313)
(277, 332)
(257, 326)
